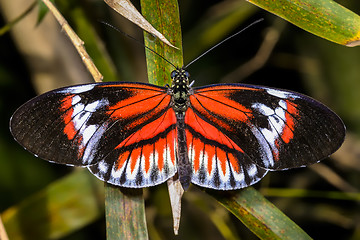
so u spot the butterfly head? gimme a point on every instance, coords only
(180, 75)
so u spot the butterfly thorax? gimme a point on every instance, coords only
(180, 89)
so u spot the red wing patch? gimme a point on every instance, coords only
(217, 161)
(221, 105)
(275, 129)
(145, 158)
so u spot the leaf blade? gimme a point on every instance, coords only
(324, 18)
(127, 10)
(63, 207)
(259, 215)
(125, 213)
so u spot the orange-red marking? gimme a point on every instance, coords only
(141, 102)
(208, 131)
(66, 106)
(234, 162)
(288, 132)
(122, 159)
(135, 156)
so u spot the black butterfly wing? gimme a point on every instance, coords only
(124, 132)
(272, 128)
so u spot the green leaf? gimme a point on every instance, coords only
(63, 207)
(164, 16)
(324, 18)
(125, 214)
(43, 10)
(259, 215)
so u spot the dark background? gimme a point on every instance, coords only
(290, 58)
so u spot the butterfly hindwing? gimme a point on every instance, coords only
(145, 158)
(274, 128)
(218, 162)
(106, 126)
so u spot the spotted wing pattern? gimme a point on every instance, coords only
(124, 132)
(237, 132)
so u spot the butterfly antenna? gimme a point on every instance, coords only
(226, 39)
(137, 41)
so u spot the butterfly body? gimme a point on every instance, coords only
(224, 136)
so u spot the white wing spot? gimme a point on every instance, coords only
(93, 143)
(283, 104)
(268, 136)
(92, 107)
(75, 99)
(77, 109)
(103, 167)
(280, 112)
(239, 177)
(131, 173)
(78, 89)
(116, 173)
(87, 132)
(223, 177)
(80, 119)
(252, 171)
(280, 94)
(263, 109)
(266, 155)
(90, 134)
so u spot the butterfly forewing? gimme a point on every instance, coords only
(275, 129)
(114, 126)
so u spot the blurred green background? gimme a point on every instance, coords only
(37, 57)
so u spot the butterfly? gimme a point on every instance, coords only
(223, 136)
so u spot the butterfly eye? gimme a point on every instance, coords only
(187, 74)
(173, 74)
